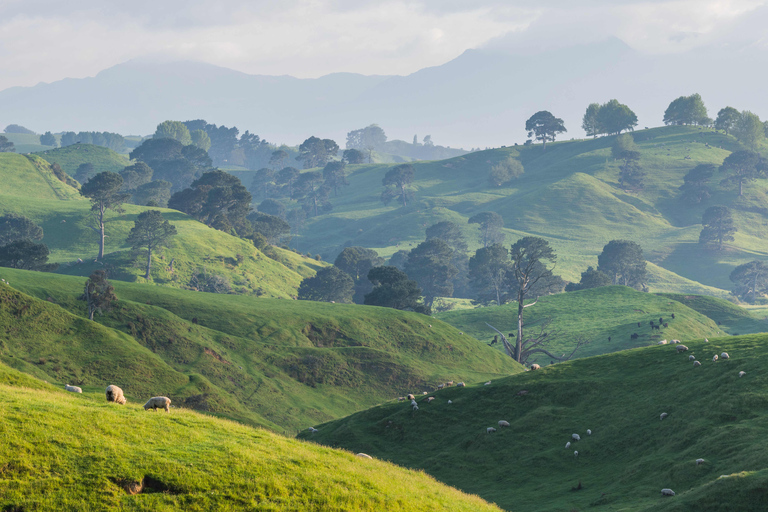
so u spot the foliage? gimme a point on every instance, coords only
(631, 175)
(104, 191)
(614, 117)
(396, 184)
(113, 141)
(312, 193)
(489, 273)
(749, 129)
(15, 128)
(370, 137)
(590, 278)
(505, 171)
(286, 177)
(623, 143)
(353, 156)
(173, 130)
(272, 207)
(490, 224)
(5, 145)
(357, 262)
(271, 227)
(718, 227)
(172, 161)
(329, 285)
(26, 255)
(695, 187)
(393, 289)
(398, 259)
(334, 176)
(98, 294)
(751, 280)
(686, 110)
(745, 166)
(15, 227)
(136, 175)
(590, 123)
(150, 232)
(315, 152)
(155, 193)
(450, 233)
(278, 158)
(48, 139)
(544, 127)
(727, 118)
(200, 139)
(623, 262)
(429, 264)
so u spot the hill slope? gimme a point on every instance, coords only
(71, 157)
(629, 457)
(64, 451)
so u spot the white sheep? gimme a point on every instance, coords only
(705, 339)
(503, 423)
(415, 407)
(662, 342)
(725, 355)
(73, 389)
(163, 402)
(589, 432)
(696, 363)
(663, 415)
(691, 357)
(714, 359)
(741, 374)
(413, 402)
(567, 445)
(681, 348)
(410, 396)
(576, 453)
(450, 401)
(424, 393)
(675, 341)
(313, 430)
(363, 456)
(576, 437)
(115, 394)
(449, 383)
(699, 461)
(430, 399)
(460, 385)
(490, 430)
(487, 383)
(440, 386)
(535, 366)
(667, 492)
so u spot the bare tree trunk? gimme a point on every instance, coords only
(149, 262)
(402, 193)
(101, 234)
(519, 343)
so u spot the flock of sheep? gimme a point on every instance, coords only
(115, 394)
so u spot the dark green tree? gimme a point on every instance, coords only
(357, 262)
(489, 273)
(749, 130)
(393, 289)
(751, 280)
(622, 144)
(686, 110)
(718, 227)
(84, 172)
(590, 123)
(505, 171)
(312, 193)
(727, 118)
(544, 127)
(99, 294)
(329, 285)
(396, 183)
(491, 224)
(172, 161)
(590, 278)
(272, 228)
(429, 264)
(26, 255)
(104, 191)
(17, 227)
(745, 166)
(136, 175)
(6, 146)
(451, 234)
(615, 117)
(149, 233)
(398, 259)
(372, 137)
(272, 207)
(278, 159)
(334, 176)
(631, 174)
(286, 178)
(315, 152)
(155, 193)
(353, 156)
(623, 262)
(48, 139)
(263, 183)
(695, 188)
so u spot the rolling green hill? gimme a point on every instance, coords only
(65, 451)
(568, 195)
(26, 142)
(278, 363)
(628, 458)
(70, 158)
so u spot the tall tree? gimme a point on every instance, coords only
(590, 278)
(615, 117)
(489, 273)
(272, 207)
(749, 129)
(26, 255)
(136, 175)
(17, 227)
(172, 161)
(686, 110)
(48, 139)
(695, 188)
(286, 177)
(451, 234)
(200, 139)
(727, 118)
(217, 199)
(393, 289)
(491, 224)
(353, 156)
(357, 262)
(745, 166)
(718, 227)
(505, 171)
(623, 143)
(99, 294)
(278, 159)
(316, 152)
(590, 123)
(104, 192)
(429, 264)
(334, 176)
(155, 193)
(369, 137)
(396, 183)
(631, 174)
(6, 146)
(173, 130)
(623, 262)
(751, 280)
(310, 190)
(544, 126)
(271, 227)
(329, 285)
(263, 183)
(150, 232)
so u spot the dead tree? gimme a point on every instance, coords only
(534, 344)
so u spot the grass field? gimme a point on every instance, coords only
(629, 457)
(70, 158)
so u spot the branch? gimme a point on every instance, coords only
(507, 345)
(531, 304)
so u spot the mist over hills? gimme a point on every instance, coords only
(481, 98)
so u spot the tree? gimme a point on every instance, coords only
(48, 139)
(200, 139)
(67, 139)
(155, 193)
(749, 129)
(278, 158)
(329, 285)
(333, 174)
(622, 144)
(99, 294)
(718, 227)
(751, 280)
(694, 188)
(16, 128)
(398, 259)
(429, 264)
(427, 141)
(623, 262)
(369, 137)
(287, 176)
(490, 227)
(357, 262)
(17, 227)
(104, 192)
(315, 152)
(174, 130)
(136, 175)
(84, 172)
(263, 183)
(172, 161)
(272, 207)
(544, 126)
(505, 171)
(451, 234)
(631, 175)
(590, 122)
(393, 289)
(396, 183)
(615, 117)
(727, 118)
(590, 278)
(150, 232)
(312, 193)
(745, 167)
(489, 272)
(353, 156)
(26, 255)
(6, 146)
(686, 110)
(269, 226)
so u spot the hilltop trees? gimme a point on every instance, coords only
(490, 227)
(687, 110)
(329, 285)
(623, 262)
(334, 175)
(174, 130)
(370, 137)
(745, 166)
(614, 117)
(99, 294)
(489, 271)
(751, 280)
(544, 127)
(136, 175)
(217, 199)
(48, 139)
(6, 146)
(315, 152)
(357, 263)
(505, 171)
(310, 190)
(172, 161)
(104, 192)
(718, 227)
(590, 123)
(393, 289)
(726, 119)
(429, 263)
(590, 278)
(694, 188)
(200, 139)
(353, 156)
(150, 232)
(749, 129)
(396, 183)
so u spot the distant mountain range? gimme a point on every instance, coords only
(481, 98)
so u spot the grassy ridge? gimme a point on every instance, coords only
(729, 317)
(630, 456)
(70, 158)
(76, 452)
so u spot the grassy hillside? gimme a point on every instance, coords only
(629, 457)
(64, 451)
(30, 176)
(70, 158)
(279, 363)
(568, 195)
(729, 317)
(596, 314)
(25, 142)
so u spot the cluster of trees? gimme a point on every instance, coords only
(17, 128)
(631, 174)
(687, 110)
(368, 139)
(173, 162)
(18, 247)
(113, 141)
(610, 118)
(505, 171)
(6, 146)
(225, 146)
(621, 262)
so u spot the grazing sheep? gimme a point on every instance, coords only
(400, 398)
(487, 383)
(449, 383)
(415, 407)
(313, 430)
(576, 437)
(667, 492)
(423, 392)
(662, 342)
(410, 396)
(576, 453)
(460, 385)
(73, 389)
(163, 402)
(681, 348)
(696, 363)
(691, 357)
(363, 456)
(490, 430)
(567, 445)
(535, 366)
(115, 394)
(699, 461)
(705, 339)
(675, 341)
(450, 401)
(663, 415)
(589, 432)
(413, 402)
(725, 355)
(440, 386)
(503, 423)
(430, 399)
(741, 374)
(714, 359)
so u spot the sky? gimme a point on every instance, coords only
(48, 40)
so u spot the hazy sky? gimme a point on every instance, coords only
(46, 40)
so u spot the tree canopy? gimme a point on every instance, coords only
(490, 224)
(370, 137)
(172, 161)
(544, 127)
(749, 129)
(99, 294)
(357, 262)
(687, 110)
(744, 167)
(26, 255)
(393, 289)
(6, 146)
(396, 182)
(727, 118)
(150, 232)
(271, 227)
(590, 123)
(429, 264)
(590, 278)
(751, 280)
(489, 274)
(315, 152)
(718, 227)
(623, 262)
(614, 118)
(505, 171)
(17, 227)
(695, 188)
(334, 175)
(329, 285)
(104, 191)
(173, 130)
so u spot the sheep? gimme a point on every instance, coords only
(450, 401)
(662, 342)
(663, 415)
(163, 402)
(73, 389)
(487, 383)
(725, 355)
(415, 407)
(449, 383)
(413, 402)
(363, 456)
(490, 430)
(667, 492)
(675, 341)
(699, 461)
(440, 386)
(696, 363)
(691, 357)
(681, 348)
(589, 432)
(567, 445)
(410, 396)
(115, 394)
(741, 374)
(430, 399)
(460, 385)
(705, 339)
(576, 437)
(400, 398)
(576, 453)
(714, 359)
(535, 366)
(313, 430)
(424, 393)
(503, 423)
